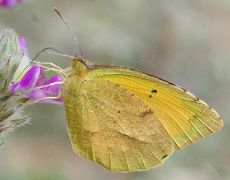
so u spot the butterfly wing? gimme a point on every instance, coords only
(185, 117)
(112, 126)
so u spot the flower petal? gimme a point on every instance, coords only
(42, 78)
(13, 87)
(28, 81)
(9, 3)
(22, 43)
(35, 94)
(31, 77)
(39, 94)
(54, 89)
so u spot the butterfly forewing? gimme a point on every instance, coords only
(185, 117)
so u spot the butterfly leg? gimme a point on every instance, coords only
(54, 68)
(51, 64)
(47, 98)
(48, 85)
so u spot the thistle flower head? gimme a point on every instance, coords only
(20, 82)
(12, 56)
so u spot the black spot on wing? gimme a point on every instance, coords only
(153, 92)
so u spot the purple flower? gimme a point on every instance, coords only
(9, 3)
(34, 85)
(22, 43)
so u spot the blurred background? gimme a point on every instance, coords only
(186, 42)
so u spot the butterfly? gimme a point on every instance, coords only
(128, 120)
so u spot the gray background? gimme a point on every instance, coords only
(186, 42)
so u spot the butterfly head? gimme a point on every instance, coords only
(80, 65)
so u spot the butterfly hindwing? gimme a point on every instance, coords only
(112, 126)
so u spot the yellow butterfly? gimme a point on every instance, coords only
(128, 120)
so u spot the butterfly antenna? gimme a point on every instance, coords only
(45, 49)
(70, 30)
